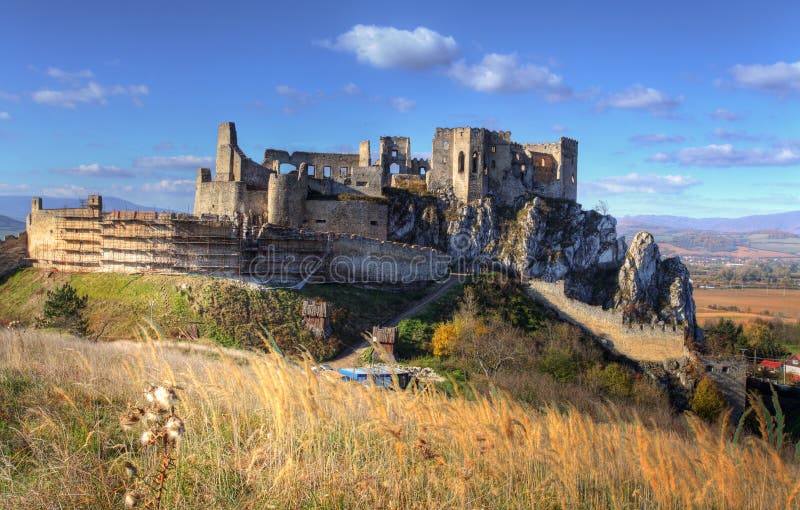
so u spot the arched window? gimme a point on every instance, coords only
(474, 167)
(422, 170)
(461, 161)
(394, 168)
(288, 168)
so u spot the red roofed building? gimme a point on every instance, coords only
(792, 367)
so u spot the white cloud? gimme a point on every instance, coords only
(5, 116)
(740, 134)
(8, 96)
(388, 47)
(502, 73)
(164, 146)
(169, 186)
(67, 76)
(558, 128)
(351, 89)
(13, 188)
(723, 114)
(95, 170)
(173, 162)
(656, 138)
(402, 104)
(92, 93)
(296, 98)
(638, 97)
(783, 153)
(640, 183)
(781, 78)
(66, 190)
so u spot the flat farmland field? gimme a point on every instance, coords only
(750, 304)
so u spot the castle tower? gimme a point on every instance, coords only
(226, 148)
(468, 166)
(364, 158)
(569, 168)
(395, 155)
(286, 197)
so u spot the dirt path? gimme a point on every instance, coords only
(349, 356)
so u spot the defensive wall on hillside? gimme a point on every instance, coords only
(643, 342)
(89, 240)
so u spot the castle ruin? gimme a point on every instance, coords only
(325, 216)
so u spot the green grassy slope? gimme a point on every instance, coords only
(228, 312)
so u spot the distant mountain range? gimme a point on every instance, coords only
(765, 236)
(10, 226)
(786, 222)
(18, 207)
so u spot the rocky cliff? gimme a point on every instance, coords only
(654, 290)
(552, 240)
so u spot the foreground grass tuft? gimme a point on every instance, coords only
(262, 433)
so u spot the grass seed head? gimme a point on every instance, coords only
(132, 499)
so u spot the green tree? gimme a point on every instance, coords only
(63, 310)
(560, 364)
(707, 401)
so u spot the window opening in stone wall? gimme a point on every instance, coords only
(572, 178)
(494, 148)
(311, 171)
(394, 154)
(422, 170)
(361, 183)
(322, 221)
(494, 164)
(394, 168)
(373, 222)
(287, 168)
(523, 168)
(445, 145)
(343, 171)
(474, 167)
(461, 161)
(326, 171)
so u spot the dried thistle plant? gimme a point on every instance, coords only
(160, 432)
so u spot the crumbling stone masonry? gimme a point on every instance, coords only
(90, 240)
(290, 189)
(324, 218)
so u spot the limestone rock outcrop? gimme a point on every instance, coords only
(654, 290)
(553, 240)
(556, 239)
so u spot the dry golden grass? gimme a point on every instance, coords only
(262, 433)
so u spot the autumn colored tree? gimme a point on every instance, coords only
(707, 401)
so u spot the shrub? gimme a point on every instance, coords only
(445, 338)
(559, 364)
(62, 310)
(414, 336)
(616, 380)
(707, 401)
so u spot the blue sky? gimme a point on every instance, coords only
(689, 108)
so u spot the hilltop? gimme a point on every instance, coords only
(10, 226)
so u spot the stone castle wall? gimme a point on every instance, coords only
(88, 240)
(367, 219)
(639, 342)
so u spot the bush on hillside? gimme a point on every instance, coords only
(63, 310)
(707, 401)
